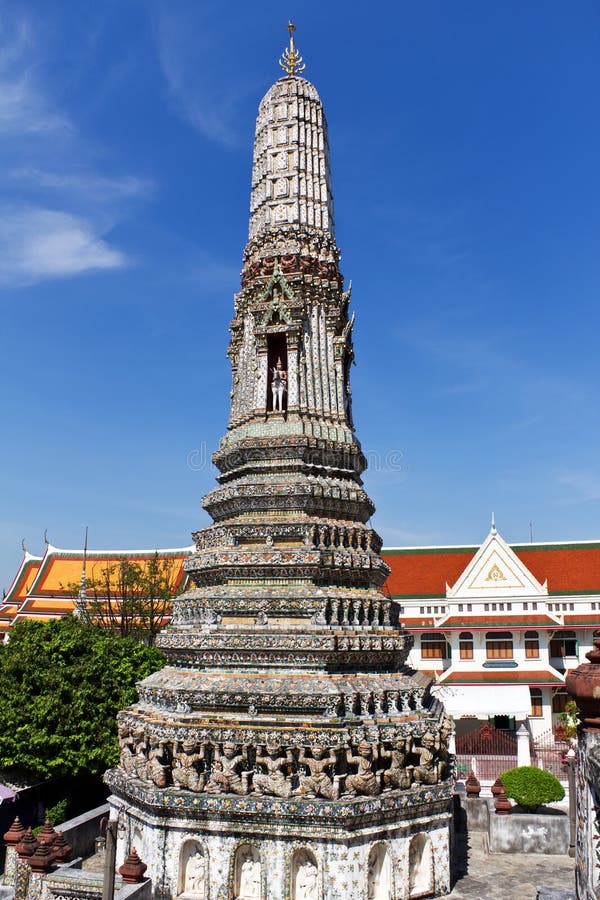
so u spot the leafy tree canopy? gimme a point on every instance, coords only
(62, 684)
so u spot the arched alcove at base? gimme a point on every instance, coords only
(193, 871)
(247, 873)
(305, 876)
(379, 874)
(420, 866)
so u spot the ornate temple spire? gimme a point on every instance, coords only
(291, 182)
(286, 709)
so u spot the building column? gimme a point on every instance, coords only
(523, 751)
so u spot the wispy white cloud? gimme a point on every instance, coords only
(585, 485)
(24, 109)
(88, 184)
(57, 207)
(37, 243)
(22, 112)
(196, 71)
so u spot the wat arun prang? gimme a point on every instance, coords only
(285, 752)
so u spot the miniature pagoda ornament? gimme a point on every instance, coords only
(286, 750)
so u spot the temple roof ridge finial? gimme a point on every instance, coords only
(291, 62)
(493, 529)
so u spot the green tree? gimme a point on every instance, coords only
(131, 598)
(62, 684)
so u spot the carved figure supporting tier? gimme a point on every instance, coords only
(186, 763)
(225, 776)
(127, 756)
(318, 782)
(398, 775)
(277, 768)
(141, 756)
(158, 767)
(364, 781)
(430, 768)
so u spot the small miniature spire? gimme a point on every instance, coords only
(291, 61)
(493, 524)
(81, 611)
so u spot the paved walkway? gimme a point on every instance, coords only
(507, 876)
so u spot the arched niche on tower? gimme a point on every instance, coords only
(247, 873)
(420, 866)
(192, 878)
(304, 875)
(379, 873)
(277, 379)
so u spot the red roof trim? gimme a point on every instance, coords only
(571, 569)
(479, 623)
(495, 676)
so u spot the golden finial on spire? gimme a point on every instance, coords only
(291, 61)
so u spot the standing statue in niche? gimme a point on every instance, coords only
(195, 874)
(249, 877)
(279, 385)
(274, 779)
(398, 775)
(364, 781)
(225, 776)
(306, 881)
(318, 782)
(185, 767)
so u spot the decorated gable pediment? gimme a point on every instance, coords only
(496, 571)
(277, 295)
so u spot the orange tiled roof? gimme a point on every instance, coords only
(569, 568)
(60, 570)
(424, 571)
(43, 587)
(26, 575)
(60, 606)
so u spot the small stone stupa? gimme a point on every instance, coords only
(286, 752)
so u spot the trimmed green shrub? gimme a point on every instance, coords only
(530, 787)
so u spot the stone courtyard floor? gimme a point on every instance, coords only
(509, 876)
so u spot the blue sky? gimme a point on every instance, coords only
(465, 141)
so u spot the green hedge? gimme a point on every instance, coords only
(530, 787)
